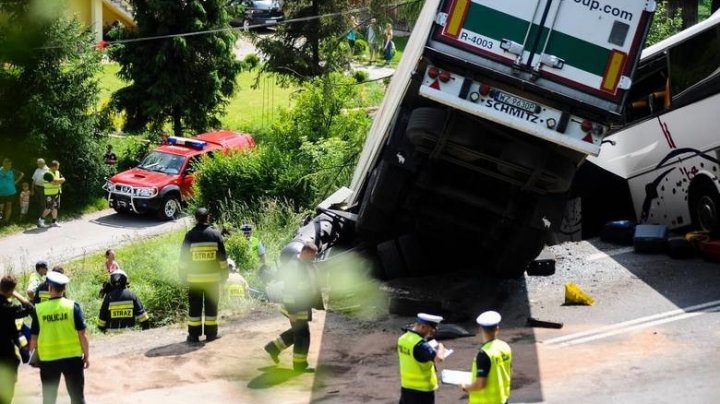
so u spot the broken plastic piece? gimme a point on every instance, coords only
(576, 296)
(531, 322)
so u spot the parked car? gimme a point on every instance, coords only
(162, 182)
(258, 12)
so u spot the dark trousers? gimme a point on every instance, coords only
(207, 295)
(39, 197)
(297, 336)
(408, 396)
(74, 373)
(8, 378)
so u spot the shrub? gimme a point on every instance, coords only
(251, 61)
(361, 76)
(361, 47)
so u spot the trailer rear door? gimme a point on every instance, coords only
(568, 46)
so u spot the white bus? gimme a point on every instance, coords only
(669, 151)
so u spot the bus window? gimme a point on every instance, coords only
(647, 96)
(694, 61)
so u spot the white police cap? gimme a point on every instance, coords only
(57, 278)
(429, 319)
(489, 319)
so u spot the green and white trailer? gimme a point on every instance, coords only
(491, 110)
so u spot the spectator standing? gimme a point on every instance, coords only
(9, 178)
(372, 39)
(24, 200)
(9, 342)
(203, 266)
(111, 265)
(389, 45)
(110, 159)
(352, 34)
(38, 188)
(53, 181)
(59, 336)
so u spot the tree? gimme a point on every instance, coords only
(308, 48)
(184, 80)
(48, 92)
(664, 24)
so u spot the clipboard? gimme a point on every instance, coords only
(455, 377)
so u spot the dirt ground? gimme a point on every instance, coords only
(355, 362)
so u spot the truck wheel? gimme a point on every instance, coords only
(705, 206)
(425, 125)
(170, 207)
(519, 251)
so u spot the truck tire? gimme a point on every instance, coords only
(705, 205)
(425, 125)
(391, 260)
(170, 207)
(519, 251)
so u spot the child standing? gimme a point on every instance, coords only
(24, 200)
(110, 264)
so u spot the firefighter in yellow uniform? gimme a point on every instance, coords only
(491, 370)
(418, 378)
(203, 266)
(58, 335)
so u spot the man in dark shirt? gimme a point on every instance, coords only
(203, 266)
(9, 344)
(121, 308)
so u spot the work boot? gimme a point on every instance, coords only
(272, 350)
(40, 222)
(302, 367)
(192, 339)
(211, 338)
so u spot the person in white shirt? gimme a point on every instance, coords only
(38, 190)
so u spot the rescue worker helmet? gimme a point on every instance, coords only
(118, 278)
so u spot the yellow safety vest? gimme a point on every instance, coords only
(58, 337)
(254, 244)
(415, 375)
(49, 187)
(497, 388)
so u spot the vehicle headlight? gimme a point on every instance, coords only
(146, 192)
(109, 185)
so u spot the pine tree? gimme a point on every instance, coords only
(184, 80)
(48, 93)
(309, 48)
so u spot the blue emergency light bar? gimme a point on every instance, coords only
(181, 141)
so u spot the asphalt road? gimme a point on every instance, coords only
(93, 232)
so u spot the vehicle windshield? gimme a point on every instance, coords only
(162, 163)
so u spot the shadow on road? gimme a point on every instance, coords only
(271, 376)
(369, 351)
(685, 282)
(36, 230)
(131, 221)
(178, 348)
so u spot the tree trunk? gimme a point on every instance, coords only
(715, 5)
(689, 13)
(316, 40)
(177, 123)
(673, 6)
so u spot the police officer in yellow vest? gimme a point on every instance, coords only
(42, 291)
(58, 335)
(418, 378)
(491, 370)
(256, 246)
(204, 266)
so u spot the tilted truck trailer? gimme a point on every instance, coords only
(491, 110)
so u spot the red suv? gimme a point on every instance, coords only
(163, 180)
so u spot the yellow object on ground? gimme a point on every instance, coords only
(697, 237)
(575, 295)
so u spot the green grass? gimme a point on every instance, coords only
(256, 102)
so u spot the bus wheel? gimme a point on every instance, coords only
(705, 206)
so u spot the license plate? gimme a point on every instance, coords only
(508, 99)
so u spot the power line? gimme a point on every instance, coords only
(104, 43)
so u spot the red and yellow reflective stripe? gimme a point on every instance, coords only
(613, 71)
(456, 17)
